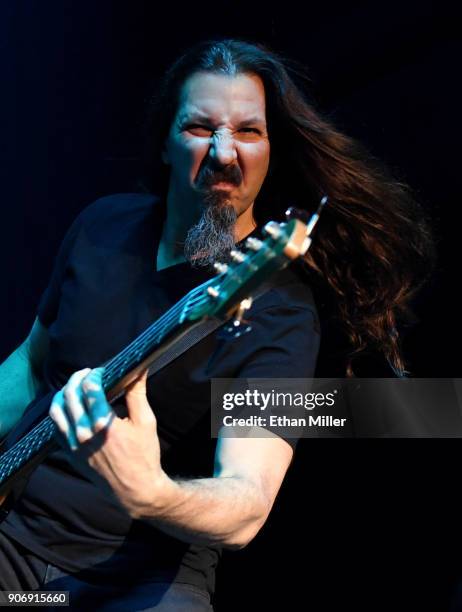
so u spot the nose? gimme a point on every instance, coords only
(223, 149)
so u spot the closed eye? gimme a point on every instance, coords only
(250, 129)
(210, 129)
(198, 125)
(198, 129)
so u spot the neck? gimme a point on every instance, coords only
(177, 222)
(245, 224)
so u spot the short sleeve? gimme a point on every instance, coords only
(109, 222)
(49, 302)
(283, 344)
(286, 339)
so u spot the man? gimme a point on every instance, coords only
(114, 522)
(218, 150)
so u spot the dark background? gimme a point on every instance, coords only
(367, 523)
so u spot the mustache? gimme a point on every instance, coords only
(210, 176)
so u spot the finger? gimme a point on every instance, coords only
(138, 408)
(138, 386)
(79, 419)
(59, 416)
(99, 410)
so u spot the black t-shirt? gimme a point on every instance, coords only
(103, 293)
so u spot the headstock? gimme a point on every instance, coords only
(236, 281)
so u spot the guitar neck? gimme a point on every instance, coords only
(216, 297)
(118, 373)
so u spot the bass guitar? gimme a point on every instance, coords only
(226, 295)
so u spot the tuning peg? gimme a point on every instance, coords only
(304, 216)
(253, 243)
(297, 213)
(213, 292)
(221, 268)
(272, 229)
(237, 255)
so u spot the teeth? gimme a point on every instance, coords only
(253, 243)
(237, 255)
(220, 267)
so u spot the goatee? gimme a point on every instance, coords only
(212, 237)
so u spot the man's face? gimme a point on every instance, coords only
(218, 145)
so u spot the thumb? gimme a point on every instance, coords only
(138, 408)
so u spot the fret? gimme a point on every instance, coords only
(16, 457)
(230, 287)
(115, 369)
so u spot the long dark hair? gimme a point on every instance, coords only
(373, 248)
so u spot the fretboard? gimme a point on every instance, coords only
(168, 325)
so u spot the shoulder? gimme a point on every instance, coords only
(288, 291)
(127, 219)
(119, 205)
(285, 332)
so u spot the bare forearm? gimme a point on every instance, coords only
(18, 387)
(226, 511)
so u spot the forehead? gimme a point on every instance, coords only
(220, 97)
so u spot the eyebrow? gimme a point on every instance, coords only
(201, 117)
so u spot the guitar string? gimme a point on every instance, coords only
(28, 440)
(150, 334)
(16, 453)
(152, 331)
(22, 449)
(190, 299)
(193, 298)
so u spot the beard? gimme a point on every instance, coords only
(212, 237)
